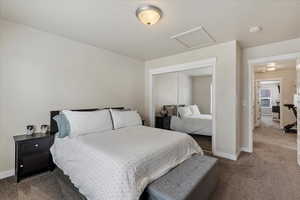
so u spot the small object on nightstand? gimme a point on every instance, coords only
(163, 111)
(163, 122)
(44, 128)
(30, 129)
(32, 154)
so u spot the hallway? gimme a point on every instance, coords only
(269, 132)
(267, 121)
(271, 172)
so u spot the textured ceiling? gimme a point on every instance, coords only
(111, 24)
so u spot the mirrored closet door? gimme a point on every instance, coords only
(183, 102)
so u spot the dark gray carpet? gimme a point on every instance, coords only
(270, 173)
(205, 143)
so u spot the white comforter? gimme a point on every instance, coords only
(119, 164)
(193, 124)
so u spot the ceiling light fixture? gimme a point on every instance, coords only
(271, 64)
(269, 69)
(149, 14)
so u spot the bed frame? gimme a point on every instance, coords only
(173, 107)
(207, 181)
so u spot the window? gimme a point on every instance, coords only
(265, 98)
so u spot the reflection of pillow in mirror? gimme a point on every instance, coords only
(184, 111)
(194, 109)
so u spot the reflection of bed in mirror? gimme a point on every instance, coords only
(189, 120)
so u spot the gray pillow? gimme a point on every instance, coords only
(63, 125)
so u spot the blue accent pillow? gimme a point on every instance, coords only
(63, 125)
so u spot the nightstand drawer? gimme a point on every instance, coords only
(32, 154)
(34, 163)
(33, 146)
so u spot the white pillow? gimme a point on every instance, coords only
(123, 119)
(184, 111)
(88, 122)
(194, 109)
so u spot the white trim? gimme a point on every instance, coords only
(187, 32)
(238, 154)
(281, 95)
(227, 155)
(251, 62)
(213, 110)
(245, 149)
(185, 66)
(182, 67)
(6, 174)
(291, 56)
(211, 99)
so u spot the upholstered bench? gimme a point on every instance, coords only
(194, 179)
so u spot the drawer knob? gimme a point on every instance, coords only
(21, 166)
(36, 145)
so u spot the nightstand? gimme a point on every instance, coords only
(163, 122)
(32, 155)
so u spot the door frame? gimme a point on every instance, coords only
(210, 62)
(281, 97)
(251, 63)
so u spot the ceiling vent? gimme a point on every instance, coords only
(196, 37)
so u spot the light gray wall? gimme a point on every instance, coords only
(274, 49)
(171, 89)
(239, 90)
(164, 90)
(40, 72)
(201, 93)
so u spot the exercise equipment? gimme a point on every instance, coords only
(291, 128)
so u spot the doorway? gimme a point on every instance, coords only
(272, 71)
(268, 103)
(180, 72)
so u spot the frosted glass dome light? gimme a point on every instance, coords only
(149, 14)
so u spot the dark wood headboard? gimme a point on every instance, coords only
(173, 107)
(53, 125)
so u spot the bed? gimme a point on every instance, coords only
(119, 164)
(193, 124)
(188, 119)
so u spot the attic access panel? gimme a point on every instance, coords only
(196, 37)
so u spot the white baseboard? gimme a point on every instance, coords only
(227, 155)
(8, 173)
(238, 154)
(232, 156)
(246, 149)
